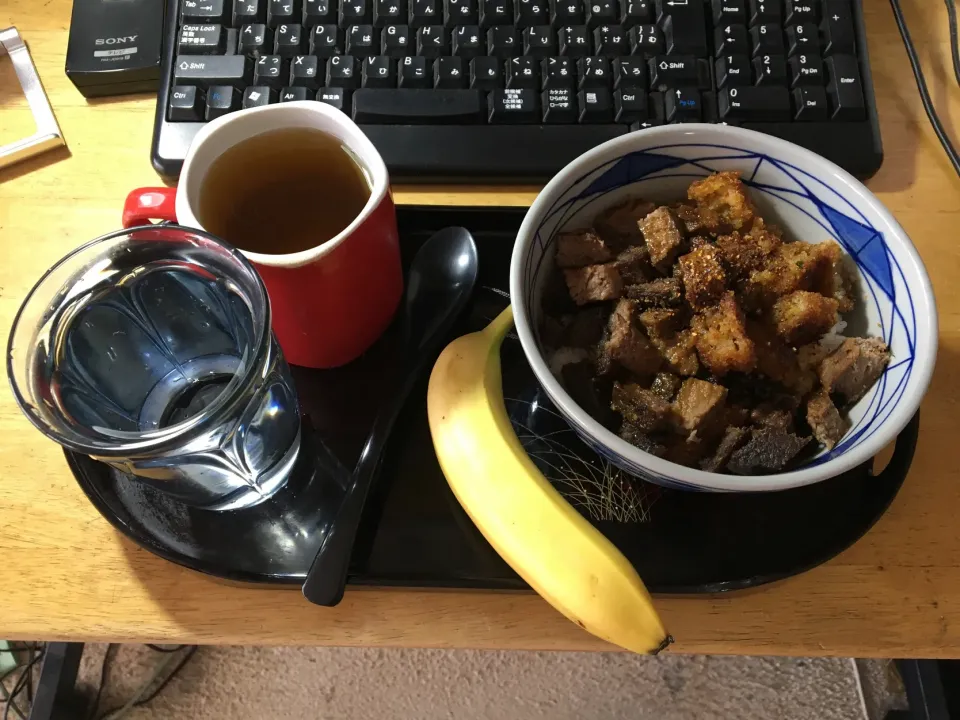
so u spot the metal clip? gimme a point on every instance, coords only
(48, 135)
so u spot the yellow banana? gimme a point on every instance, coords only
(540, 535)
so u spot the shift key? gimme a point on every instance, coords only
(204, 70)
(678, 71)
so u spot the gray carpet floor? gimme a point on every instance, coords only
(243, 683)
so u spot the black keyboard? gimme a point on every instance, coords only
(512, 90)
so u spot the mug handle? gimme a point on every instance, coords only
(145, 205)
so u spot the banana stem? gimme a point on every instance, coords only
(500, 326)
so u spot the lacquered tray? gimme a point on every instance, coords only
(415, 533)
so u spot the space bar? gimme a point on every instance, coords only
(417, 106)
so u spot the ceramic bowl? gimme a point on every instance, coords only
(812, 200)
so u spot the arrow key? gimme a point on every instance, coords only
(683, 105)
(803, 38)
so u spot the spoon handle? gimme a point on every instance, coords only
(327, 577)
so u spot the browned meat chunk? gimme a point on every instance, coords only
(825, 420)
(693, 221)
(743, 254)
(802, 316)
(723, 196)
(794, 266)
(664, 292)
(677, 346)
(642, 408)
(686, 451)
(620, 225)
(768, 451)
(854, 367)
(733, 438)
(773, 418)
(635, 436)
(721, 338)
(634, 265)
(665, 385)
(779, 361)
(594, 283)
(703, 277)
(627, 346)
(699, 403)
(581, 248)
(810, 356)
(661, 230)
(585, 328)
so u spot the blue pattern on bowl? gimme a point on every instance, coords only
(883, 278)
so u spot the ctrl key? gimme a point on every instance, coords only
(221, 99)
(186, 104)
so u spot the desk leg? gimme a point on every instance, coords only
(933, 690)
(56, 697)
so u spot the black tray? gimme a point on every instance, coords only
(414, 532)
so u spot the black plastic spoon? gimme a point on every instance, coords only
(439, 285)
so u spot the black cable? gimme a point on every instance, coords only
(157, 648)
(173, 673)
(922, 88)
(954, 50)
(19, 685)
(104, 668)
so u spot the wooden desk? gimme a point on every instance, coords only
(66, 574)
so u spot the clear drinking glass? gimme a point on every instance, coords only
(150, 349)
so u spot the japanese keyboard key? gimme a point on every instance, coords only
(395, 41)
(362, 41)
(596, 106)
(610, 40)
(318, 12)
(531, 12)
(306, 71)
(201, 39)
(255, 40)
(574, 41)
(280, 12)
(354, 12)
(389, 12)
(646, 40)
(341, 72)
(567, 12)
(294, 94)
(460, 12)
(766, 40)
(601, 12)
(485, 73)
(269, 71)
(186, 104)
(414, 73)
(335, 97)
(539, 41)
(514, 106)
(221, 99)
(495, 12)
(523, 72)
(326, 41)
(810, 104)
(424, 13)
(432, 41)
(629, 73)
(558, 73)
(258, 96)
(837, 28)
(806, 70)
(683, 105)
(731, 40)
(289, 40)
(637, 12)
(770, 70)
(379, 71)
(844, 88)
(559, 106)
(502, 42)
(803, 38)
(755, 104)
(729, 11)
(449, 73)
(467, 42)
(247, 12)
(684, 26)
(594, 72)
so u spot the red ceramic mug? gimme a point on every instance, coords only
(331, 302)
